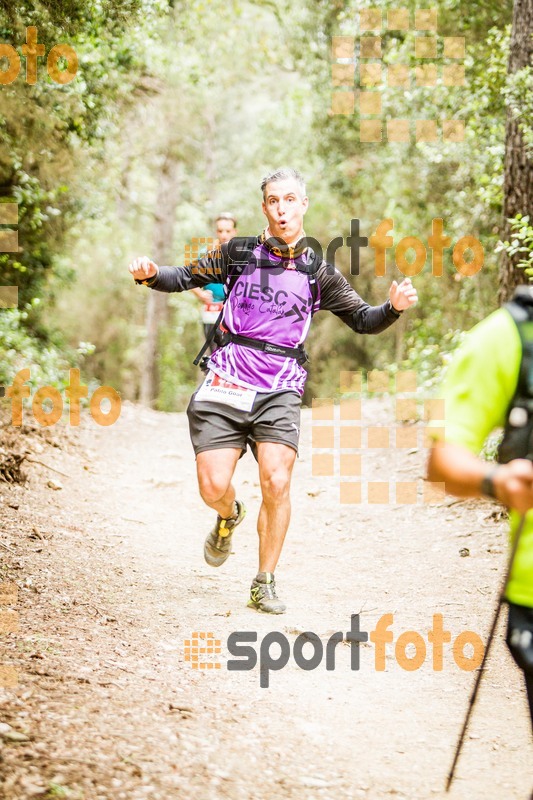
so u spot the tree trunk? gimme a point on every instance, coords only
(518, 179)
(157, 309)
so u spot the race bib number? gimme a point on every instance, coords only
(217, 390)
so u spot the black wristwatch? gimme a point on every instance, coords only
(487, 484)
(394, 310)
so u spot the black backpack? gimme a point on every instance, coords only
(518, 434)
(240, 255)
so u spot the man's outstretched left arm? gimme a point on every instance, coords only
(337, 296)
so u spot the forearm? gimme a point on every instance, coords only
(181, 279)
(459, 469)
(372, 319)
(462, 473)
(211, 268)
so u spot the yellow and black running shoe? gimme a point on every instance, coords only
(263, 595)
(217, 546)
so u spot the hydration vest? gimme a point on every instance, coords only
(518, 434)
(240, 255)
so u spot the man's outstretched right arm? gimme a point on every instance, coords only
(212, 268)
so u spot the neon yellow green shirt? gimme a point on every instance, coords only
(477, 391)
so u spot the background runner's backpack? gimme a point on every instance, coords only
(240, 255)
(518, 434)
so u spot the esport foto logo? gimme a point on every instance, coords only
(309, 651)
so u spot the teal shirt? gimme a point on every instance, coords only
(477, 391)
(217, 290)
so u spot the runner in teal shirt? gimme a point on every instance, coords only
(225, 229)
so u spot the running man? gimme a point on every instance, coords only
(252, 392)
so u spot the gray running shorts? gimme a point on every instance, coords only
(275, 417)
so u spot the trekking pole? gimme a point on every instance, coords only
(479, 675)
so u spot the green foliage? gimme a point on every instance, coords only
(49, 135)
(18, 350)
(429, 356)
(47, 130)
(519, 97)
(202, 81)
(179, 344)
(521, 242)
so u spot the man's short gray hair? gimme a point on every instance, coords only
(228, 217)
(283, 174)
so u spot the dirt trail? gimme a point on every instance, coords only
(112, 582)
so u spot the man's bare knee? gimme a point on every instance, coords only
(212, 487)
(275, 485)
(215, 471)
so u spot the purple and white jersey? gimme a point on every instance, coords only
(272, 304)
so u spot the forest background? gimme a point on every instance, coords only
(175, 114)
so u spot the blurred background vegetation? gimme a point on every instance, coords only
(177, 111)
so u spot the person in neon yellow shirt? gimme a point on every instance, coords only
(478, 390)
